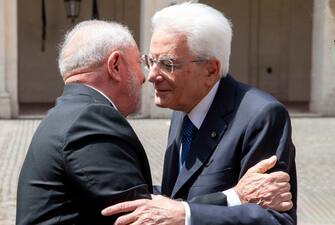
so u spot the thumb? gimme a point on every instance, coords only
(264, 165)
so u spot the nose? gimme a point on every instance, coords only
(154, 73)
(151, 76)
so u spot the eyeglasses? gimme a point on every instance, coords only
(167, 65)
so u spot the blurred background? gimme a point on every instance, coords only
(285, 47)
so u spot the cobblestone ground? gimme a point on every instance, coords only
(315, 143)
(314, 139)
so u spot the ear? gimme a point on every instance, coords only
(114, 64)
(213, 68)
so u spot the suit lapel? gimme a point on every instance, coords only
(171, 169)
(209, 134)
(171, 159)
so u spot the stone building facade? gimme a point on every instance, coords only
(285, 47)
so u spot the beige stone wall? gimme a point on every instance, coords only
(8, 59)
(39, 79)
(323, 59)
(332, 6)
(323, 51)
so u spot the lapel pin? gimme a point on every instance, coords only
(213, 134)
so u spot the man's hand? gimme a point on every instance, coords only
(158, 210)
(267, 190)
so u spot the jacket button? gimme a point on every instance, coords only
(213, 134)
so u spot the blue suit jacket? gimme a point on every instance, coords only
(243, 126)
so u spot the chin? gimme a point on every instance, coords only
(137, 108)
(160, 103)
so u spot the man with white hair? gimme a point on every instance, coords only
(84, 155)
(220, 128)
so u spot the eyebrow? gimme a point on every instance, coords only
(164, 57)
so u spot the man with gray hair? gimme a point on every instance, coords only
(220, 128)
(84, 155)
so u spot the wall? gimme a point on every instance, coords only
(8, 59)
(39, 79)
(323, 60)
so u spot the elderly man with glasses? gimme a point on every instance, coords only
(219, 129)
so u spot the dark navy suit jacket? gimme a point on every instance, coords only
(243, 126)
(84, 156)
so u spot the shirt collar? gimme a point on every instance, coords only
(102, 95)
(199, 112)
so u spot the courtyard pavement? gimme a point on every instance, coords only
(314, 139)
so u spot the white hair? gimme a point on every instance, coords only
(208, 31)
(90, 42)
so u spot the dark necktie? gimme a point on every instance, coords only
(188, 131)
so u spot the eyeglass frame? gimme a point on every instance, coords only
(166, 67)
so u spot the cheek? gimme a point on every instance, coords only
(138, 87)
(133, 85)
(182, 85)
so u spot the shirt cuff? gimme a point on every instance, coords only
(232, 198)
(187, 213)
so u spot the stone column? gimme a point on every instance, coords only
(4, 96)
(323, 58)
(148, 8)
(8, 59)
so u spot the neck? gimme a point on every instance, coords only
(95, 79)
(200, 97)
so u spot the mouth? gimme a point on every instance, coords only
(161, 91)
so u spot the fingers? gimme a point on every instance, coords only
(264, 165)
(279, 188)
(279, 198)
(286, 188)
(123, 207)
(285, 197)
(130, 218)
(276, 192)
(280, 176)
(284, 206)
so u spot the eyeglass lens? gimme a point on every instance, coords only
(166, 65)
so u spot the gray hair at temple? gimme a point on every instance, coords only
(90, 42)
(208, 31)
